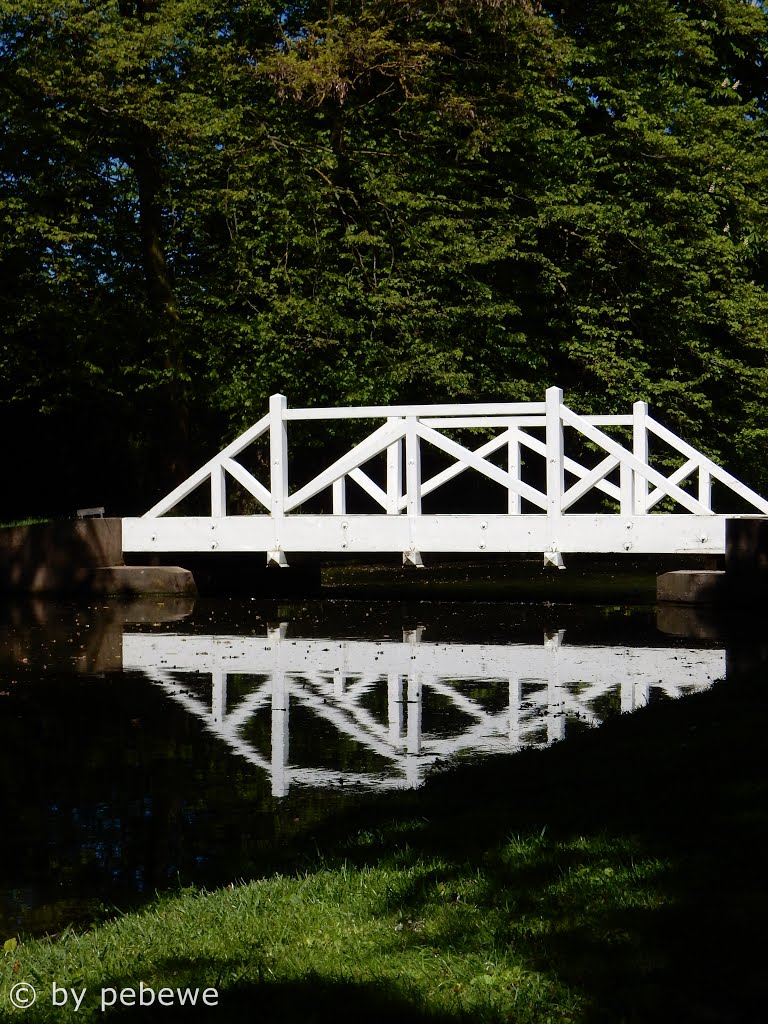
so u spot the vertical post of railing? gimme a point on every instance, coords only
(340, 673)
(640, 451)
(413, 702)
(413, 725)
(555, 694)
(413, 730)
(555, 454)
(278, 453)
(280, 705)
(218, 492)
(514, 469)
(627, 698)
(394, 477)
(340, 496)
(515, 709)
(395, 716)
(626, 490)
(412, 467)
(218, 696)
(705, 487)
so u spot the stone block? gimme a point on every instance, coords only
(130, 580)
(52, 556)
(691, 586)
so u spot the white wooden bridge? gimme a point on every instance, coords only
(491, 697)
(548, 462)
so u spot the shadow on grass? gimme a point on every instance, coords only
(314, 1000)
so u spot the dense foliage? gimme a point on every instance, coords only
(206, 201)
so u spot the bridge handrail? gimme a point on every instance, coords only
(374, 412)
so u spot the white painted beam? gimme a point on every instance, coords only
(501, 533)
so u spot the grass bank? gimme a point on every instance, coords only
(617, 878)
(33, 521)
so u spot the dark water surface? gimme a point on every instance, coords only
(165, 743)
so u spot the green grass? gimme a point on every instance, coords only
(319, 936)
(33, 521)
(617, 877)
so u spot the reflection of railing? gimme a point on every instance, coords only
(526, 455)
(545, 685)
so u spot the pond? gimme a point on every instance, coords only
(165, 743)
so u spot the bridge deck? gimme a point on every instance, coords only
(662, 534)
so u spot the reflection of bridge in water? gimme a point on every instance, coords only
(493, 697)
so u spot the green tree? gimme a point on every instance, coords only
(114, 118)
(661, 228)
(204, 203)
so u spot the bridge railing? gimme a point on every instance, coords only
(405, 431)
(544, 457)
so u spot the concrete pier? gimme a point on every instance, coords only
(691, 586)
(744, 579)
(81, 556)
